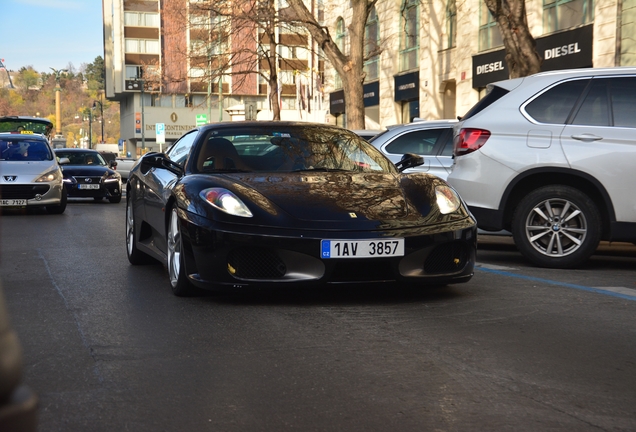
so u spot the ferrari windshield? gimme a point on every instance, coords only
(288, 149)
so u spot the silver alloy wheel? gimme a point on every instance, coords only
(130, 231)
(174, 248)
(556, 227)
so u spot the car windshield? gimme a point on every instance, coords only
(81, 158)
(24, 150)
(19, 124)
(289, 149)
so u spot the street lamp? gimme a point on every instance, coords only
(101, 112)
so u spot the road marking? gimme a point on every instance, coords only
(620, 292)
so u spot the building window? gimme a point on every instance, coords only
(141, 19)
(143, 46)
(489, 34)
(451, 24)
(343, 44)
(410, 39)
(564, 14)
(371, 46)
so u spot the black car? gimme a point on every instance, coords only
(88, 175)
(243, 204)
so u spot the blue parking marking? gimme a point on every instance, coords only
(564, 284)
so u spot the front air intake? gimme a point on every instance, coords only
(447, 258)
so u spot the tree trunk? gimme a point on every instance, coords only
(522, 57)
(351, 66)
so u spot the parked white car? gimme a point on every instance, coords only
(433, 140)
(552, 158)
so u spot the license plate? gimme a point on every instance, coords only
(88, 186)
(362, 248)
(13, 202)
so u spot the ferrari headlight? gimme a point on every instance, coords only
(50, 176)
(225, 201)
(447, 199)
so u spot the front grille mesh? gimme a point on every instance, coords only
(447, 258)
(255, 263)
(22, 191)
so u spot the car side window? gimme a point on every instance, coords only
(179, 152)
(624, 101)
(419, 142)
(555, 105)
(594, 110)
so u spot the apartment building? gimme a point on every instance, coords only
(432, 60)
(166, 63)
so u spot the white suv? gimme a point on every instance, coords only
(552, 158)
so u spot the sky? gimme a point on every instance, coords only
(50, 33)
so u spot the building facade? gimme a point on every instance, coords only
(428, 60)
(437, 57)
(166, 63)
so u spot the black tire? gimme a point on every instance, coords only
(58, 209)
(135, 256)
(115, 200)
(179, 282)
(549, 239)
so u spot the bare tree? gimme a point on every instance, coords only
(521, 48)
(237, 39)
(350, 66)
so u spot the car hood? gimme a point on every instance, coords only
(30, 168)
(333, 196)
(85, 170)
(324, 201)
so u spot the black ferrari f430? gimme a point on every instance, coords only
(245, 204)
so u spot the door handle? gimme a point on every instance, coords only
(587, 137)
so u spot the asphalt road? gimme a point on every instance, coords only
(107, 347)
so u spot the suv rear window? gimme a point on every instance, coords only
(493, 95)
(555, 105)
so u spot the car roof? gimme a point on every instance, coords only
(23, 135)
(423, 123)
(75, 150)
(557, 75)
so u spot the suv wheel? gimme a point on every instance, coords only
(556, 226)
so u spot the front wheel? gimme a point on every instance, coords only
(179, 282)
(557, 227)
(114, 200)
(135, 256)
(58, 209)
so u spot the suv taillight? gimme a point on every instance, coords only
(470, 140)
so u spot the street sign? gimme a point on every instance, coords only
(160, 128)
(202, 119)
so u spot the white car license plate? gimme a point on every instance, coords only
(362, 248)
(13, 202)
(88, 186)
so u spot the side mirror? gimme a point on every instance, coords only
(160, 160)
(409, 160)
(63, 161)
(112, 164)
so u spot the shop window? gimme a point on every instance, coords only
(564, 14)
